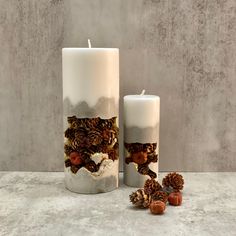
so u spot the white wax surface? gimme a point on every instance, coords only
(90, 73)
(141, 110)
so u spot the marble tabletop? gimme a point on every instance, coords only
(37, 203)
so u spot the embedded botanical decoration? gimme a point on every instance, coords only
(155, 196)
(142, 155)
(89, 141)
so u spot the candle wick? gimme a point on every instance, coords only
(143, 92)
(89, 43)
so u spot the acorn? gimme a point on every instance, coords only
(175, 199)
(157, 207)
(75, 158)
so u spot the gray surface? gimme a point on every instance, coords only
(184, 51)
(38, 204)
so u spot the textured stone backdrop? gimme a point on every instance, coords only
(184, 51)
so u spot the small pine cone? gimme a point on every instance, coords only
(150, 147)
(160, 195)
(84, 153)
(67, 163)
(71, 119)
(74, 169)
(116, 145)
(82, 122)
(77, 144)
(93, 149)
(107, 123)
(113, 154)
(140, 198)
(173, 180)
(145, 170)
(70, 134)
(151, 186)
(67, 149)
(134, 147)
(94, 138)
(91, 166)
(92, 123)
(152, 157)
(108, 136)
(86, 123)
(80, 139)
(80, 133)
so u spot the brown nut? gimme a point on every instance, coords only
(175, 199)
(157, 207)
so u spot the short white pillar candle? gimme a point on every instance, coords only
(141, 138)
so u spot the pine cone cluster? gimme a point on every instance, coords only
(142, 154)
(153, 194)
(87, 136)
(138, 147)
(173, 180)
(140, 198)
(151, 186)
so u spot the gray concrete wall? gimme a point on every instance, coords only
(184, 51)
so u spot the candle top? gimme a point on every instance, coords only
(140, 96)
(91, 49)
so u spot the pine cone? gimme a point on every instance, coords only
(67, 149)
(151, 186)
(94, 138)
(173, 180)
(160, 195)
(145, 170)
(152, 157)
(134, 147)
(71, 119)
(67, 163)
(140, 198)
(91, 166)
(93, 122)
(113, 154)
(70, 133)
(80, 139)
(108, 136)
(74, 169)
(107, 123)
(80, 132)
(150, 147)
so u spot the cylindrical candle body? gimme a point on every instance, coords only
(141, 138)
(91, 109)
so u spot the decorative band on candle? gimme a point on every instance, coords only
(90, 142)
(141, 135)
(142, 155)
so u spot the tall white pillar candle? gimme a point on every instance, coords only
(91, 104)
(141, 138)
